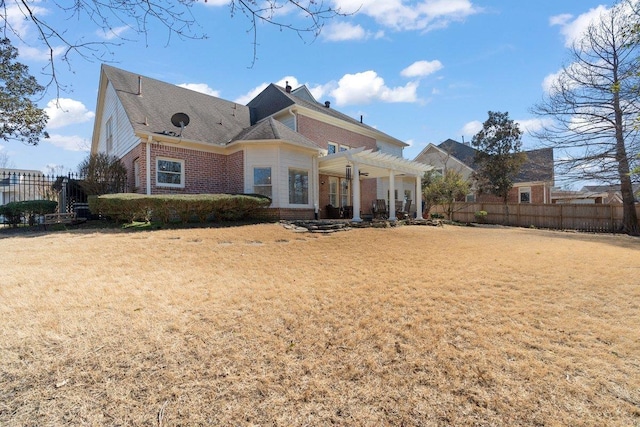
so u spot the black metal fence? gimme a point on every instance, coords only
(67, 190)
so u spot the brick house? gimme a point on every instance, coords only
(284, 144)
(533, 183)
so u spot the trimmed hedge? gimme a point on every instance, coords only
(13, 212)
(129, 207)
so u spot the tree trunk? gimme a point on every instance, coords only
(629, 216)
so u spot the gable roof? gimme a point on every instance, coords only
(150, 104)
(275, 98)
(538, 165)
(463, 152)
(271, 129)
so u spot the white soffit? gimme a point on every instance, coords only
(371, 164)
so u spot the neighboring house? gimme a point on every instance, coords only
(18, 185)
(532, 184)
(592, 194)
(284, 144)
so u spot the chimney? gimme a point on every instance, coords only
(360, 118)
(287, 87)
(327, 104)
(139, 85)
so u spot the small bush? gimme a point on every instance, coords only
(481, 216)
(437, 216)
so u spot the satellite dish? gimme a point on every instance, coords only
(180, 120)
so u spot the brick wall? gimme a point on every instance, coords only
(321, 133)
(235, 172)
(537, 195)
(127, 161)
(204, 172)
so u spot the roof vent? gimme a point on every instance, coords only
(327, 104)
(287, 87)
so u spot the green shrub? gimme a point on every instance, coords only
(437, 216)
(128, 207)
(13, 212)
(481, 216)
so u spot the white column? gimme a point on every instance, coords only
(356, 193)
(392, 196)
(418, 201)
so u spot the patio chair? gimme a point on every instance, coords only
(404, 213)
(380, 209)
(333, 212)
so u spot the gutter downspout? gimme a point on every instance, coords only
(295, 119)
(316, 185)
(149, 139)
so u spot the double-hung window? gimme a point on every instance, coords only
(333, 191)
(109, 135)
(169, 172)
(262, 181)
(298, 187)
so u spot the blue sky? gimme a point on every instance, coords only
(422, 71)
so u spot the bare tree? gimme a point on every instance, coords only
(593, 106)
(5, 160)
(175, 16)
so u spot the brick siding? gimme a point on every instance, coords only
(322, 133)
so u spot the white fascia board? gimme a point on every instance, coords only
(182, 142)
(275, 142)
(97, 119)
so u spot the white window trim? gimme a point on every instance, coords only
(334, 145)
(524, 190)
(253, 179)
(308, 172)
(182, 174)
(109, 135)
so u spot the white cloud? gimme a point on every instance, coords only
(112, 33)
(200, 87)
(36, 54)
(471, 128)
(531, 126)
(402, 15)
(422, 68)
(366, 87)
(70, 143)
(244, 99)
(342, 31)
(574, 29)
(16, 17)
(65, 111)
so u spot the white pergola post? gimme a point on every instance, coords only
(356, 193)
(418, 201)
(392, 196)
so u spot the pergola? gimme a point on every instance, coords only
(373, 164)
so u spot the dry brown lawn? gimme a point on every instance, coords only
(259, 325)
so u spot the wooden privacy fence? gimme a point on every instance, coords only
(596, 217)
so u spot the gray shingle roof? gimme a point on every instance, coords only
(275, 98)
(538, 165)
(271, 129)
(212, 120)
